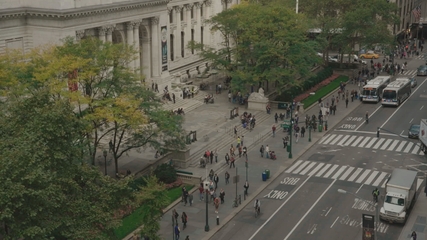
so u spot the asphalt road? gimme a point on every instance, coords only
(304, 203)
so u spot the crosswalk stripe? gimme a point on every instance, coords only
(383, 185)
(323, 170)
(307, 168)
(337, 174)
(408, 147)
(363, 176)
(364, 142)
(345, 175)
(378, 143)
(293, 166)
(355, 174)
(371, 178)
(393, 145)
(385, 145)
(357, 141)
(416, 149)
(329, 139)
(316, 169)
(343, 140)
(379, 179)
(336, 139)
(349, 141)
(402, 144)
(371, 143)
(324, 138)
(330, 171)
(300, 167)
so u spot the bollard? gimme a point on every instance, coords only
(217, 220)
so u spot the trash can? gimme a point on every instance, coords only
(264, 176)
(320, 127)
(268, 173)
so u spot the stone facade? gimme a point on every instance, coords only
(159, 29)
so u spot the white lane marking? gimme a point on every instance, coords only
(301, 167)
(307, 168)
(379, 179)
(349, 141)
(359, 188)
(345, 175)
(411, 120)
(329, 139)
(378, 108)
(401, 105)
(336, 139)
(323, 170)
(383, 185)
(293, 166)
(408, 147)
(421, 107)
(385, 145)
(278, 209)
(363, 176)
(416, 149)
(316, 169)
(364, 142)
(402, 132)
(402, 144)
(328, 211)
(355, 174)
(330, 171)
(334, 222)
(371, 178)
(309, 210)
(343, 140)
(357, 141)
(393, 145)
(324, 138)
(369, 145)
(337, 174)
(366, 132)
(378, 143)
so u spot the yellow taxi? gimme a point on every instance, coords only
(369, 55)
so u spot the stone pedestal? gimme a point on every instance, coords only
(181, 157)
(257, 101)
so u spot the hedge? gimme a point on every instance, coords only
(322, 92)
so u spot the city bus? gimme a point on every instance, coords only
(373, 89)
(396, 92)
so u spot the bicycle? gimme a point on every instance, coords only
(257, 211)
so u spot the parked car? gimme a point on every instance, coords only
(369, 55)
(413, 82)
(422, 70)
(414, 130)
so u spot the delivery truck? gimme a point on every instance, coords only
(400, 191)
(422, 135)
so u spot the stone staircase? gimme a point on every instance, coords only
(188, 104)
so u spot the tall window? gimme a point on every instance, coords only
(182, 44)
(192, 12)
(171, 17)
(201, 10)
(192, 40)
(182, 14)
(172, 43)
(201, 36)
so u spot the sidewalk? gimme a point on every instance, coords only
(417, 220)
(256, 165)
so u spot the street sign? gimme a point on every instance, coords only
(236, 179)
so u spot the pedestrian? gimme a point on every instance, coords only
(175, 216)
(187, 238)
(238, 142)
(222, 195)
(177, 231)
(414, 235)
(184, 220)
(201, 192)
(227, 178)
(216, 180)
(211, 174)
(240, 151)
(302, 131)
(185, 197)
(190, 199)
(245, 152)
(285, 141)
(367, 117)
(267, 149)
(216, 204)
(156, 88)
(183, 189)
(274, 130)
(213, 194)
(211, 155)
(216, 156)
(235, 131)
(152, 85)
(276, 117)
(232, 162)
(229, 97)
(241, 140)
(296, 136)
(173, 97)
(261, 150)
(246, 186)
(227, 158)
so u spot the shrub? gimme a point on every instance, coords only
(138, 183)
(165, 173)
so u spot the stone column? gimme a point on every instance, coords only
(80, 34)
(198, 26)
(129, 41)
(177, 47)
(206, 31)
(101, 33)
(146, 52)
(156, 57)
(187, 37)
(110, 30)
(136, 44)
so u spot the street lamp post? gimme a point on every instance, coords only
(105, 161)
(246, 165)
(374, 205)
(309, 133)
(290, 133)
(206, 186)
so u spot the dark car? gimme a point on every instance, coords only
(414, 130)
(413, 82)
(422, 70)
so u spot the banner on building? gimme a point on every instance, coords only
(164, 36)
(72, 81)
(368, 224)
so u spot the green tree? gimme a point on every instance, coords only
(262, 42)
(46, 191)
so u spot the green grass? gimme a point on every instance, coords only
(322, 92)
(134, 220)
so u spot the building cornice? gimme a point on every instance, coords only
(78, 12)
